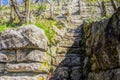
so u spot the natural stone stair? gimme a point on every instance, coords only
(68, 58)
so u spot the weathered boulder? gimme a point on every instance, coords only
(102, 44)
(105, 75)
(24, 37)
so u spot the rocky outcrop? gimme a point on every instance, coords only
(23, 51)
(102, 44)
(23, 37)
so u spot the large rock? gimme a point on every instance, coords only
(103, 43)
(24, 37)
(105, 75)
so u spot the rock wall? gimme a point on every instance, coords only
(102, 46)
(23, 54)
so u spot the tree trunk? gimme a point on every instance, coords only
(16, 9)
(102, 8)
(8, 2)
(104, 13)
(99, 3)
(0, 2)
(114, 5)
(51, 3)
(12, 15)
(27, 11)
(60, 5)
(79, 7)
(51, 10)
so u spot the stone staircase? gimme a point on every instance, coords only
(69, 55)
(68, 61)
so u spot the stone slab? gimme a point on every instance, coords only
(27, 67)
(7, 56)
(28, 55)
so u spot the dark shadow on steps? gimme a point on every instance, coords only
(71, 66)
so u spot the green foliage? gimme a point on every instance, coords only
(47, 26)
(4, 26)
(42, 7)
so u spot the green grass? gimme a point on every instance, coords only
(47, 26)
(3, 27)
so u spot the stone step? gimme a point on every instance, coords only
(71, 38)
(61, 73)
(69, 43)
(64, 73)
(69, 61)
(68, 55)
(74, 27)
(66, 50)
(72, 30)
(71, 24)
(73, 34)
(75, 17)
(76, 73)
(76, 21)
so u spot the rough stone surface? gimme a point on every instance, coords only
(61, 73)
(67, 60)
(37, 77)
(28, 55)
(105, 75)
(2, 67)
(64, 50)
(24, 37)
(76, 73)
(7, 56)
(27, 67)
(102, 44)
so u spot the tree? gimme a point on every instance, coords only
(0, 2)
(114, 5)
(22, 16)
(102, 7)
(27, 11)
(51, 2)
(79, 6)
(16, 9)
